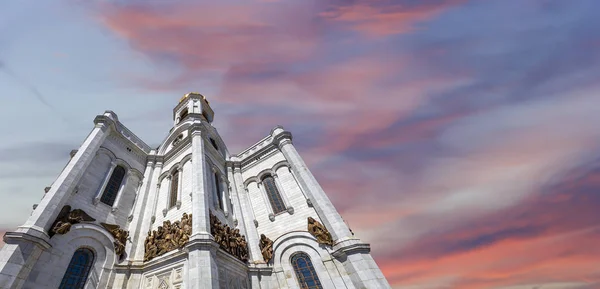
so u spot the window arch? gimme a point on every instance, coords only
(78, 270)
(305, 272)
(174, 188)
(219, 191)
(112, 188)
(274, 196)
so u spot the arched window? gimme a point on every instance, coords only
(174, 188)
(273, 194)
(78, 270)
(112, 188)
(305, 272)
(219, 192)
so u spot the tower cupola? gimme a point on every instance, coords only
(193, 104)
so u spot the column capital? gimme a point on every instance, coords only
(283, 138)
(195, 129)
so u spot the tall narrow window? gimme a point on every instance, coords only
(183, 114)
(78, 270)
(219, 192)
(174, 188)
(273, 194)
(112, 188)
(305, 272)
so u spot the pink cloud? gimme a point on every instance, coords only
(380, 19)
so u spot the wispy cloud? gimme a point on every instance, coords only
(455, 136)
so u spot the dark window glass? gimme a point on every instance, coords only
(183, 114)
(305, 272)
(214, 144)
(274, 196)
(174, 188)
(112, 188)
(78, 270)
(219, 193)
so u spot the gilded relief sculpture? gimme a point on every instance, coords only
(120, 236)
(168, 237)
(320, 232)
(229, 239)
(66, 218)
(266, 247)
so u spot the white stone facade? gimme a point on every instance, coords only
(194, 155)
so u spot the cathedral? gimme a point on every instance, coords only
(187, 214)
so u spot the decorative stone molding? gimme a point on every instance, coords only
(290, 210)
(178, 204)
(309, 202)
(272, 217)
(256, 223)
(164, 211)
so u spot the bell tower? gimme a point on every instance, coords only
(193, 104)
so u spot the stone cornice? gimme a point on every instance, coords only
(353, 248)
(258, 157)
(273, 141)
(126, 143)
(14, 237)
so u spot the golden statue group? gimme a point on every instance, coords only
(229, 239)
(168, 237)
(67, 218)
(319, 232)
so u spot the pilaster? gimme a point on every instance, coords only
(139, 213)
(327, 212)
(202, 265)
(247, 217)
(25, 245)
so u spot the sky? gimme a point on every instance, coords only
(458, 138)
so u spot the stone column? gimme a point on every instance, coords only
(138, 190)
(235, 201)
(224, 196)
(147, 209)
(113, 165)
(121, 191)
(138, 211)
(25, 245)
(168, 195)
(179, 186)
(202, 266)
(247, 217)
(327, 212)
